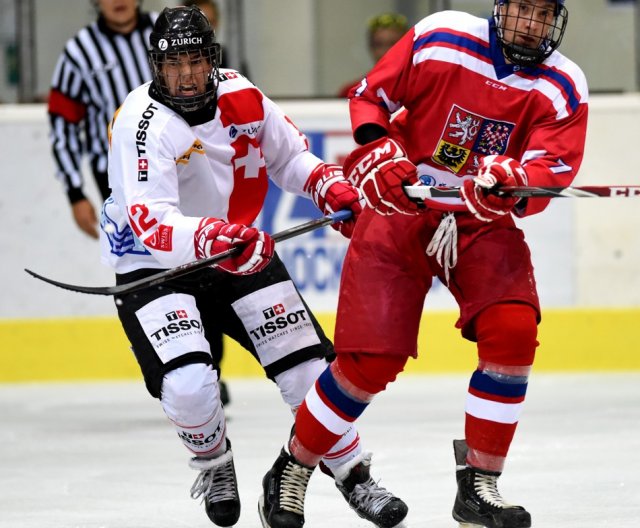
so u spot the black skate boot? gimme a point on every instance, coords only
(370, 501)
(284, 487)
(478, 502)
(218, 487)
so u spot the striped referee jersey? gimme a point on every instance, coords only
(95, 72)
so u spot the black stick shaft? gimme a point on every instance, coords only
(179, 271)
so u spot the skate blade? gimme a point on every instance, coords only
(467, 525)
(263, 519)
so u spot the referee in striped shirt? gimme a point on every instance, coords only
(98, 67)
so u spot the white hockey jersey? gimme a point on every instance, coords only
(166, 176)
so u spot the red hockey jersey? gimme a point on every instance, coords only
(461, 100)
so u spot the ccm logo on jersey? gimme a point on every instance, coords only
(496, 85)
(278, 322)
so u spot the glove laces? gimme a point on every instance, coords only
(444, 244)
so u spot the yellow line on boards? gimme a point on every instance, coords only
(97, 349)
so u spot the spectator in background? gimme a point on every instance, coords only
(98, 67)
(212, 12)
(383, 31)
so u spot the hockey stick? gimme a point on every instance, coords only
(592, 191)
(184, 269)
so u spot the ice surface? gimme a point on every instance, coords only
(105, 456)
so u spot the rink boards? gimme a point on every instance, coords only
(586, 254)
(96, 348)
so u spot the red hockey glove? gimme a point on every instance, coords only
(380, 169)
(331, 193)
(215, 236)
(494, 172)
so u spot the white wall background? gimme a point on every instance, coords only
(586, 251)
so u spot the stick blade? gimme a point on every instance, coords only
(92, 290)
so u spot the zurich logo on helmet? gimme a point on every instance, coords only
(163, 44)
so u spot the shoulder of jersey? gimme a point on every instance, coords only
(232, 80)
(139, 106)
(562, 63)
(83, 34)
(453, 20)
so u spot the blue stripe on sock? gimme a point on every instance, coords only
(341, 400)
(484, 383)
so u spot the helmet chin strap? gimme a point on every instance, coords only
(522, 56)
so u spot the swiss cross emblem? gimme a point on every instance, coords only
(274, 310)
(143, 164)
(467, 137)
(182, 314)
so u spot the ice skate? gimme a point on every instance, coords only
(369, 500)
(218, 487)
(478, 502)
(284, 487)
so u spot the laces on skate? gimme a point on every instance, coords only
(216, 480)
(294, 487)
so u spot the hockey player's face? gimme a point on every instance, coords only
(186, 74)
(527, 23)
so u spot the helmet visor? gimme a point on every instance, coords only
(186, 79)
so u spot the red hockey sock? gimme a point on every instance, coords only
(506, 348)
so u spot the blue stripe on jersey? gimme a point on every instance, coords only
(560, 79)
(503, 69)
(342, 401)
(484, 383)
(460, 41)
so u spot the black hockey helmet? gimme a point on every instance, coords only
(183, 34)
(522, 55)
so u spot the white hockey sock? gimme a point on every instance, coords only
(191, 400)
(344, 451)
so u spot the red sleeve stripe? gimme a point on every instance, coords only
(69, 109)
